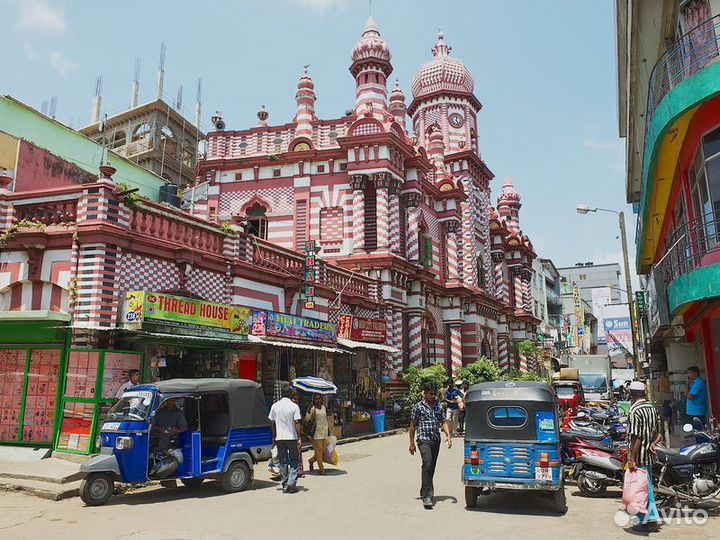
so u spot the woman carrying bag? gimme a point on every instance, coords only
(318, 429)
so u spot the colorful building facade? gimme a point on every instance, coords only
(670, 117)
(396, 192)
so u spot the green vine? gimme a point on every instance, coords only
(229, 229)
(73, 291)
(131, 199)
(22, 224)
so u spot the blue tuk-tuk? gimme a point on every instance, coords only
(227, 432)
(512, 441)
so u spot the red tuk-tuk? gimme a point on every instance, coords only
(569, 393)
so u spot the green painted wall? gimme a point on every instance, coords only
(701, 87)
(700, 284)
(23, 122)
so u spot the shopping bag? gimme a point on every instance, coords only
(331, 442)
(333, 458)
(635, 491)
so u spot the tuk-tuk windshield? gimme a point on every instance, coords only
(134, 406)
(565, 391)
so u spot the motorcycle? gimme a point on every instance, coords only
(690, 474)
(593, 460)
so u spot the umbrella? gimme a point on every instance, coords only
(315, 385)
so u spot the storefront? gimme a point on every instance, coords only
(32, 358)
(359, 376)
(165, 337)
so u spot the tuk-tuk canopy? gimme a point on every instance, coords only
(511, 391)
(515, 407)
(246, 400)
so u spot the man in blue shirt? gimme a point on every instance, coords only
(453, 410)
(697, 404)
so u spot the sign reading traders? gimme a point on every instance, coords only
(362, 329)
(149, 306)
(282, 325)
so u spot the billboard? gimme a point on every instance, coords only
(618, 332)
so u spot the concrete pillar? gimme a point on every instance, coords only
(455, 348)
(394, 217)
(453, 274)
(382, 184)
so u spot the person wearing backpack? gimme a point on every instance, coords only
(318, 429)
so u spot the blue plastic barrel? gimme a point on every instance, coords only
(378, 418)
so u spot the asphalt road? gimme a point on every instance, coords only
(373, 493)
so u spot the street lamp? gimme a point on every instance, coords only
(584, 209)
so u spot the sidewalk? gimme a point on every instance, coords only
(30, 471)
(58, 477)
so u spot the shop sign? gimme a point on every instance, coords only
(149, 306)
(362, 329)
(274, 324)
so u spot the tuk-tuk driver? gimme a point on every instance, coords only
(169, 421)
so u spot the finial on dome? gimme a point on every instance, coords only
(371, 26)
(441, 49)
(263, 116)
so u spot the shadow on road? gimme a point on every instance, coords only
(525, 504)
(162, 494)
(441, 498)
(605, 495)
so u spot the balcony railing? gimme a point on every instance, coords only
(694, 245)
(691, 53)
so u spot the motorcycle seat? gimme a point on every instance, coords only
(670, 455)
(587, 435)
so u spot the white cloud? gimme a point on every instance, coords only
(63, 65)
(40, 18)
(602, 145)
(321, 5)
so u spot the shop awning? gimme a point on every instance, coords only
(296, 345)
(352, 344)
(231, 338)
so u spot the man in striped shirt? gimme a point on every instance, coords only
(645, 434)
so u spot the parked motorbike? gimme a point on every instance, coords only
(593, 460)
(690, 474)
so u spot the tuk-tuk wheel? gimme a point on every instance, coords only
(96, 489)
(559, 500)
(237, 478)
(471, 496)
(192, 482)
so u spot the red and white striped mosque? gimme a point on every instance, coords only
(397, 192)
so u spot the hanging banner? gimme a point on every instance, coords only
(579, 314)
(619, 334)
(149, 306)
(274, 324)
(362, 329)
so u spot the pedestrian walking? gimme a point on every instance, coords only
(301, 468)
(697, 403)
(461, 404)
(317, 419)
(426, 420)
(452, 411)
(645, 434)
(285, 423)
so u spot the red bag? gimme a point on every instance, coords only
(635, 491)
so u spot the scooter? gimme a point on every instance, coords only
(597, 468)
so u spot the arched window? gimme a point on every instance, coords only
(257, 221)
(485, 349)
(142, 131)
(370, 217)
(425, 247)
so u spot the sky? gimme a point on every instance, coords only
(544, 71)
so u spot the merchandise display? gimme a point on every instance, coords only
(12, 380)
(82, 374)
(76, 429)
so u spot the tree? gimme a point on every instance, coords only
(415, 378)
(483, 370)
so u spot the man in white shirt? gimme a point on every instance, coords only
(133, 380)
(285, 422)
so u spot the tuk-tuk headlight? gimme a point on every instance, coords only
(124, 443)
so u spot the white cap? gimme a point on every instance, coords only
(637, 386)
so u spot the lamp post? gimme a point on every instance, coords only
(584, 209)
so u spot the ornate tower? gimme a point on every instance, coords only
(305, 113)
(508, 205)
(371, 67)
(442, 93)
(397, 105)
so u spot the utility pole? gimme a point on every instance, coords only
(628, 290)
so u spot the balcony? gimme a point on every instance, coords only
(553, 297)
(691, 266)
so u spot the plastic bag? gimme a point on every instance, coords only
(635, 491)
(330, 447)
(333, 458)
